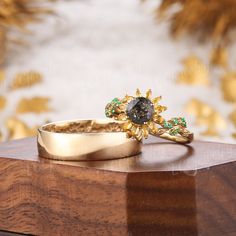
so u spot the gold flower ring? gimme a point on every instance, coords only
(141, 116)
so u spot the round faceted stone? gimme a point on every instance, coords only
(140, 110)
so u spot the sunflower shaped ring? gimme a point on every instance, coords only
(141, 116)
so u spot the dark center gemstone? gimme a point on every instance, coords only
(140, 110)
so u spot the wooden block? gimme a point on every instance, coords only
(169, 190)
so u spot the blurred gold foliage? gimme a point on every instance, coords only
(2, 76)
(19, 129)
(219, 57)
(200, 19)
(16, 128)
(15, 13)
(27, 79)
(3, 102)
(207, 116)
(35, 105)
(18, 14)
(228, 86)
(195, 72)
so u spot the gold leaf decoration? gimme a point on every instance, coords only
(228, 86)
(27, 79)
(18, 129)
(206, 116)
(194, 73)
(33, 105)
(3, 102)
(200, 19)
(219, 57)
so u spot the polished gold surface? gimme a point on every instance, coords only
(85, 140)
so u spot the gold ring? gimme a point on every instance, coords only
(85, 140)
(141, 117)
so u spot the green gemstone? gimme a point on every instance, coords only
(167, 125)
(183, 122)
(116, 101)
(176, 121)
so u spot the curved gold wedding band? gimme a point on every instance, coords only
(85, 140)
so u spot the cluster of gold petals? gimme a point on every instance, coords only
(140, 131)
(205, 19)
(207, 116)
(195, 72)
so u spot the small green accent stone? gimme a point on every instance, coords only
(167, 125)
(112, 111)
(175, 120)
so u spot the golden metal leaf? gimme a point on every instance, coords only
(194, 73)
(228, 86)
(219, 57)
(3, 102)
(27, 79)
(138, 93)
(19, 129)
(149, 94)
(207, 116)
(35, 105)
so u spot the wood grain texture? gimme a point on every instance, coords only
(132, 196)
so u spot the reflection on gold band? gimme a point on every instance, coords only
(85, 140)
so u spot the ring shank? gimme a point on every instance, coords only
(85, 140)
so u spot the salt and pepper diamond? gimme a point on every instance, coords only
(140, 110)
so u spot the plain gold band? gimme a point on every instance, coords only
(85, 140)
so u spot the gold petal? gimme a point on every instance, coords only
(128, 125)
(138, 93)
(152, 127)
(156, 100)
(149, 94)
(145, 131)
(127, 98)
(122, 117)
(160, 108)
(158, 119)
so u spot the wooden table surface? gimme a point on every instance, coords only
(169, 189)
